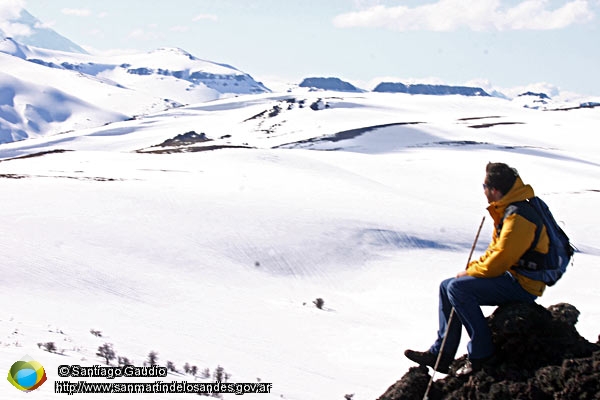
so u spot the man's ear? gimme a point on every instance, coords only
(496, 194)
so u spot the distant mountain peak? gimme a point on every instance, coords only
(39, 35)
(173, 50)
(438, 90)
(39, 96)
(533, 94)
(330, 83)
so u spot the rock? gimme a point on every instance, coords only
(412, 385)
(539, 355)
(185, 139)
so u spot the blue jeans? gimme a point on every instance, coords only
(466, 295)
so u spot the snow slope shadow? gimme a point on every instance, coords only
(371, 139)
(398, 240)
(326, 253)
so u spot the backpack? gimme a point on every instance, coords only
(549, 267)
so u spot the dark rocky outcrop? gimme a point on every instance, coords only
(542, 96)
(335, 84)
(437, 90)
(185, 139)
(540, 355)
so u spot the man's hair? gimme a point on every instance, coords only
(500, 176)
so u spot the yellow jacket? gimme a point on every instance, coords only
(511, 241)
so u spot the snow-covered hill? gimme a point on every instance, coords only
(109, 88)
(29, 109)
(211, 248)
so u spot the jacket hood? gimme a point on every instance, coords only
(518, 192)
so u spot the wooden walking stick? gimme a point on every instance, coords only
(437, 361)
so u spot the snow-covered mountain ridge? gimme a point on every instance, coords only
(164, 62)
(110, 89)
(43, 45)
(104, 89)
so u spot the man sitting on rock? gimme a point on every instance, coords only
(492, 279)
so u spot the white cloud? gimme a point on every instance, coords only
(109, 52)
(99, 33)
(10, 9)
(142, 34)
(77, 12)
(538, 87)
(12, 29)
(210, 17)
(361, 4)
(179, 28)
(480, 15)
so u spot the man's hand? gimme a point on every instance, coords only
(461, 274)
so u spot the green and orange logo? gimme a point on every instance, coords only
(27, 374)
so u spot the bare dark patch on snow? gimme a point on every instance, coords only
(79, 178)
(39, 154)
(589, 104)
(185, 139)
(476, 118)
(489, 125)
(276, 109)
(456, 143)
(187, 143)
(193, 149)
(13, 176)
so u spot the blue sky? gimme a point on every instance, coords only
(506, 43)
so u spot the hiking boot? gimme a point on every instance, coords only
(429, 359)
(472, 365)
(466, 369)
